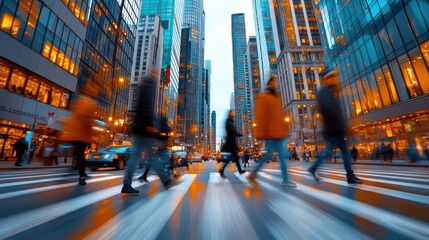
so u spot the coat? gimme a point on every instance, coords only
(231, 133)
(270, 120)
(145, 116)
(78, 127)
(20, 146)
(334, 122)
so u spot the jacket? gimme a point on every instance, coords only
(78, 127)
(231, 143)
(270, 120)
(334, 122)
(20, 147)
(145, 117)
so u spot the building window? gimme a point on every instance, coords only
(4, 74)
(390, 84)
(409, 76)
(381, 82)
(421, 69)
(17, 81)
(44, 92)
(31, 87)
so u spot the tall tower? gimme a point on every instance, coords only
(239, 43)
(267, 38)
(213, 131)
(171, 13)
(191, 68)
(299, 66)
(205, 123)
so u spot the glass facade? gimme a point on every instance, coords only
(107, 55)
(380, 48)
(35, 25)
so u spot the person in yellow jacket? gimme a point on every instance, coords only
(78, 129)
(271, 126)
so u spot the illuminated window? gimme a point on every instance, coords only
(420, 69)
(4, 74)
(381, 82)
(55, 97)
(6, 22)
(31, 87)
(17, 81)
(44, 92)
(409, 77)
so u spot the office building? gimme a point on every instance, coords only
(213, 131)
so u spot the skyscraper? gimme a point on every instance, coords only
(41, 45)
(191, 69)
(267, 38)
(239, 43)
(107, 56)
(171, 13)
(299, 66)
(213, 131)
(205, 123)
(381, 50)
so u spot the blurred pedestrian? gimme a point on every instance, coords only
(354, 153)
(271, 126)
(389, 153)
(33, 148)
(78, 129)
(383, 152)
(246, 158)
(334, 125)
(231, 144)
(145, 133)
(20, 148)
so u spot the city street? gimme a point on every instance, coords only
(393, 203)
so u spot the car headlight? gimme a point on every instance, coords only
(106, 156)
(115, 156)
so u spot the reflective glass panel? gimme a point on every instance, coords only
(31, 87)
(17, 81)
(4, 73)
(410, 77)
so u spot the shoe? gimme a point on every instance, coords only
(354, 180)
(221, 174)
(142, 179)
(252, 178)
(242, 171)
(289, 184)
(128, 190)
(82, 181)
(314, 174)
(87, 177)
(18, 165)
(169, 184)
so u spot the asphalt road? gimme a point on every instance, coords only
(393, 203)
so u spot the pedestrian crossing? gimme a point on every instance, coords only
(396, 202)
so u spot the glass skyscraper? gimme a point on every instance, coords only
(381, 49)
(40, 51)
(189, 111)
(239, 43)
(171, 13)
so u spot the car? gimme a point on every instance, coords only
(197, 158)
(205, 157)
(113, 156)
(182, 158)
(223, 157)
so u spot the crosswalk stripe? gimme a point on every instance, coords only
(25, 173)
(384, 191)
(145, 220)
(381, 173)
(223, 214)
(41, 181)
(302, 220)
(32, 176)
(53, 187)
(24, 221)
(407, 226)
(384, 175)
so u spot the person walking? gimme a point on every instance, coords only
(231, 144)
(246, 158)
(78, 129)
(354, 153)
(33, 148)
(144, 131)
(20, 148)
(271, 126)
(334, 128)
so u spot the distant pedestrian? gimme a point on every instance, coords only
(78, 128)
(33, 148)
(389, 153)
(246, 158)
(334, 125)
(271, 125)
(383, 152)
(231, 144)
(20, 148)
(354, 153)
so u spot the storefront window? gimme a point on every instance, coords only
(4, 73)
(420, 69)
(56, 97)
(390, 84)
(409, 76)
(385, 97)
(31, 87)
(44, 92)
(17, 81)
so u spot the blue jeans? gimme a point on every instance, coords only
(336, 141)
(278, 145)
(155, 160)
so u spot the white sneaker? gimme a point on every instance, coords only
(289, 184)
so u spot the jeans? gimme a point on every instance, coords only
(336, 141)
(155, 159)
(278, 145)
(79, 155)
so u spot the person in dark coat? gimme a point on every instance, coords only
(389, 153)
(246, 158)
(354, 153)
(20, 147)
(231, 144)
(334, 128)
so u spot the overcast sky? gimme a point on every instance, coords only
(218, 49)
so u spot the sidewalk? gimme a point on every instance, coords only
(10, 164)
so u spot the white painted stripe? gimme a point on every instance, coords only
(43, 180)
(25, 173)
(223, 214)
(24, 221)
(145, 219)
(302, 220)
(411, 176)
(416, 173)
(33, 176)
(407, 226)
(53, 187)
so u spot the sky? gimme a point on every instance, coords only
(218, 49)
